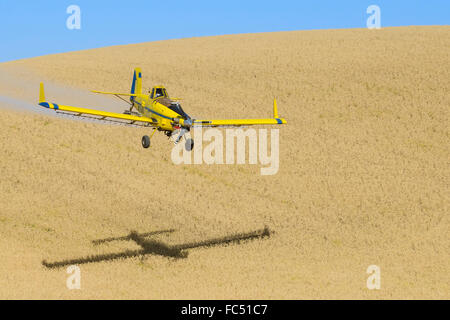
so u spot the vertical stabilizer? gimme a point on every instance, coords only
(136, 86)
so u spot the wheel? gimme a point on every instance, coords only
(146, 141)
(189, 144)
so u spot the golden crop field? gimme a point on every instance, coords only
(363, 177)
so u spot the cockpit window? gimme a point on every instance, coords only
(159, 93)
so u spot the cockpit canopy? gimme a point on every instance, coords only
(158, 92)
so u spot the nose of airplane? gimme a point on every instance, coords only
(188, 123)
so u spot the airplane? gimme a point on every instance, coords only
(157, 110)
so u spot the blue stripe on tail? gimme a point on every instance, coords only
(133, 86)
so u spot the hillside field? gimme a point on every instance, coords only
(363, 177)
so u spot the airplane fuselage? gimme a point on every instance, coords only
(151, 108)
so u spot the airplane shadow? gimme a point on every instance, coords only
(153, 247)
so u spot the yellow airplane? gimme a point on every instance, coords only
(156, 110)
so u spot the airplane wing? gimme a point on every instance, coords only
(96, 114)
(242, 122)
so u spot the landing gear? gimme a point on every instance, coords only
(146, 142)
(189, 144)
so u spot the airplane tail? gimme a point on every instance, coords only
(136, 86)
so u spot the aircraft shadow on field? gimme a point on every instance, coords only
(153, 247)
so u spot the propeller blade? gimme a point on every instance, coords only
(183, 131)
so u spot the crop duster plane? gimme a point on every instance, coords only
(157, 110)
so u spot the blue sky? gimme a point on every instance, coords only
(33, 28)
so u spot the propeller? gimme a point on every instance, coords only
(185, 127)
(183, 131)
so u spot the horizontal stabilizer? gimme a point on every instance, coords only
(116, 93)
